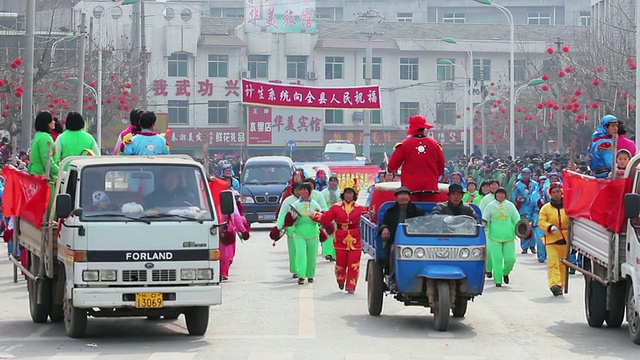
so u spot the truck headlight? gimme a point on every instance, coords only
(420, 253)
(90, 275)
(246, 200)
(108, 275)
(205, 274)
(464, 253)
(407, 253)
(477, 253)
(187, 274)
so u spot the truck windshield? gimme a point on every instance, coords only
(442, 225)
(151, 192)
(339, 156)
(266, 174)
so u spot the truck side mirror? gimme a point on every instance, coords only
(63, 206)
(226, 202)
(631, 206)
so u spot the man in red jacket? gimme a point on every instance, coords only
(421, 159)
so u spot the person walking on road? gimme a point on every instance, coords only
(553, 221)
(500, 218)
(331, 196)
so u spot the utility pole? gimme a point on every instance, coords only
(81, 62)
(482, 116)
(27, 98)
(560, 122)
(370, 16)
(637, 72)
(143, 67)
(135, 42)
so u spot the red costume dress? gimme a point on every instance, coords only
(421, 159)
(347, 242)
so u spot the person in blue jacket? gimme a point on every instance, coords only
(227, 173)
(539, 199)
(522, 197)
(602, 148)
(147, 141)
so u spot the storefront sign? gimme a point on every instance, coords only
(214, 137)
(271, 94)
(277, 126)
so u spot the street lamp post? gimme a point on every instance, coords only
(470, 93)
(512, 128)
(466, 101)
(98, 96)
(532, 82)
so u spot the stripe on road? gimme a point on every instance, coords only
(270, 356)
(364, 356)
(73, 357)
(172, 356)
(307, 312)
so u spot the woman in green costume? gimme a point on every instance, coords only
(75, 141)
(306, 234)
(44, 124)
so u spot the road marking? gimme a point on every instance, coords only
(362, 356)
(212, 337)
(73, 357)
(306, 313)
(270, 356)
(172, 356)
(39, 332)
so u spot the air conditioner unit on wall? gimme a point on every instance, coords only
(312, 75)
(245, 74)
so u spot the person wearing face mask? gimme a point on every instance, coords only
(331, 196)
(555, 224)
(500, 218)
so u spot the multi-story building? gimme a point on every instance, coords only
(196, 65)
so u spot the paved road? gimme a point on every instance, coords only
(267, 316)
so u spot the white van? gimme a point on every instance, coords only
(339, 150)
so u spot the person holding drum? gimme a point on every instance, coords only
(522, 196)
(421, 159)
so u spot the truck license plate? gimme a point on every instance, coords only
(266, 217)
(149, 300)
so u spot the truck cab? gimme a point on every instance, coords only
(264, 178)
(338, 151)
(130, 236)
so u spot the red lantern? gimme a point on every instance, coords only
(545, 77)
(67, 75)
(540, 130)
(540, 106)
(561, 73)
(568, 69)
(633, 66)
(565, 49)
(596, 82)
(578, 92)
(128, 85)
(93, 84)
(545, 87)
(588, 106)
(4, 114)
(18, 94)
(630, 107)
(126, 107)
(90, 107)
(86, 100)
(556, 107)
(125, 92)
(133, 98)
(109, 100)
(492, 93)
(458, 116)
(595, 105)
(7, 106)
(2, 83)
(52, 105)
(549, 51)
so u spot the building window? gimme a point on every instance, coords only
(178, 112)
(539, 18)
(218, 112)
(408, 109)
(237, 13)
(333, 67)
(296, 67)
(585, 18)
(519, 71)
(333, 117)
(484, 65)
(259, 66)
(445, 71)
(446, 113)
(219, 66)
(454, 18)
(405, 17)
(330, 13)
(179, 64)
(376, 117)
(376, 67)
(408, 68)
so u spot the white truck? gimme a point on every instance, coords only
(128, 236)
(611, 260)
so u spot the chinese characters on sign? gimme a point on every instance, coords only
(390, 138)
(280, 16)
(213, 137)
(276, 126)
(271, 94)
(205, 87)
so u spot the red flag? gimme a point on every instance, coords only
(217, 186)
(25, 195)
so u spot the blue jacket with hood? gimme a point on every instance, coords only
(602, 149)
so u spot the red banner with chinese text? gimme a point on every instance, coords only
(366, 174)
(348, 97)
(25, 195)
(598, 200)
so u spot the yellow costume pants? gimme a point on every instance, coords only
(556, 271)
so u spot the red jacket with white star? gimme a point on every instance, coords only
(422, 162)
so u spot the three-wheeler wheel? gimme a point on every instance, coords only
(443, 306)
(460, 307)
(375, 287)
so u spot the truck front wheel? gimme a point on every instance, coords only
(633, 318)
(197, 319)
(75, 319)
(39, 293)
(595, 302)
